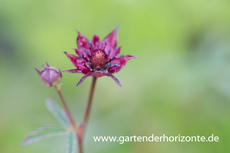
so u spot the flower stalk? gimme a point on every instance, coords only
(73, 124)
(89, 105)
(79, 131)
(83, 125)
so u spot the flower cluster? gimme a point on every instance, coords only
(98, 58)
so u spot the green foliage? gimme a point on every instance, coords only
(58, 112)
(42, 133)
(52, 130)
(71, 142)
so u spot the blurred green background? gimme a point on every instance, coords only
(180, 84)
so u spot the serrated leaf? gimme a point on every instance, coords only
(42, 133)
(58, 112)
(71, 142)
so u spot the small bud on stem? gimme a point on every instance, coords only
(50, 76)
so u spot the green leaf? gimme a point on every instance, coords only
(42, 133)
(58, 112)
(71, 142)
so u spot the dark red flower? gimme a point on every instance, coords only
(98, 58)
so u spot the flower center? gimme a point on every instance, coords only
(98, 59)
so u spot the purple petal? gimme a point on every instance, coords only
(114, 53)
(79, 63)
(83, 71)
(38, 71)
(115, 79)
(73, 71)
(81, 53)
(96, 41)
(60, 72)
(111, 41)
(119, 62)
(82, 79)
(82, 41)
(50, 83)
(47, 64)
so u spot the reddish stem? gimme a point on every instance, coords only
(80, 147)
(87, 112)
(82, 127)
(79, 131)
(66, 108)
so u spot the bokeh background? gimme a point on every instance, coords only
(180, 84)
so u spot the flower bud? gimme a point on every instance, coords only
(50, 76)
